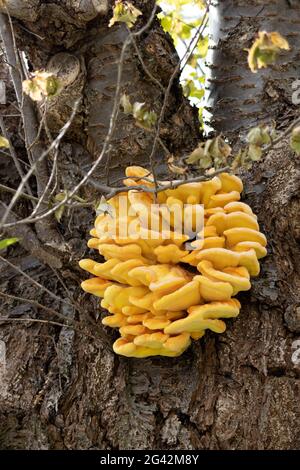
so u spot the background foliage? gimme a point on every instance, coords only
(181, 18)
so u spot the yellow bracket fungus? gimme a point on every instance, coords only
(163, 288)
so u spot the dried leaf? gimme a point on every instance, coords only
(196, 155)
(259, 135)
(41, 85)
(125, 103)
(279, 41)
(219, 148)
(265, 49)
(211, 152)
(254, 152)
(174, 168)
(143, 117)
(103, 207)
(124, 12)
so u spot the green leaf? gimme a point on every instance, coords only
(185, 32)
(254, 152)
(8, 242)
(124, 12)
(197, 94)
(295, 140)
(41, 85)
(125, 103)
(60, 211)
(143, 117)
(4, 142)
(149, 120)
(212, 152)
(138, 110)
(166, 22)
(260, 135)
(265, 49)
(202, 47)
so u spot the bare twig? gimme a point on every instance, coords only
(116, 107)
(111, 191)
(34, 320)
(186, 57)
(75, 325)
(281, 136)
(13, 154)
(146, 70)
(47, 232)
(53, 146)
(101, 340)
(47, 187)
(33, 281)
(162, 186)
(71, 205)
(29, 240)
(38, 305)
(23, 195)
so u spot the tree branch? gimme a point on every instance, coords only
(29, 240)
(48, 233)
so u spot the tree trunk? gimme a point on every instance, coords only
(238, 99)
(66, 390)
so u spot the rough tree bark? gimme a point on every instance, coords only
(65, 390)
(238, 99)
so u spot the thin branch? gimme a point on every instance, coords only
(71, 205)
(284, 134)
(38, 305)
(74, 303)
(23, 195)
(47, 187)
(53, 146)
(29, 240)
(145, 68)
(13, 154)
(73, 323)
(116, 107)
(8, 43)
(35, 320)
(111, 192)
(105, 147)
(33, 281)
(188, 53)
(161, 187)
(102, 341)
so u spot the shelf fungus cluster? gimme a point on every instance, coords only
(164, 288)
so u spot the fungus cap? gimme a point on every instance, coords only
(148, 281)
